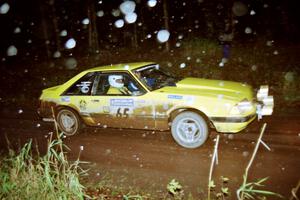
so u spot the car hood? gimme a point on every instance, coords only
(210, 87)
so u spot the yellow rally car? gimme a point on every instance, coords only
(142, 96)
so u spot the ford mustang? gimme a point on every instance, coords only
(145, 96)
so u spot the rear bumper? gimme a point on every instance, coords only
(45, 116)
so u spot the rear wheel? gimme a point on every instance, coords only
(68, 121)
(189, 129)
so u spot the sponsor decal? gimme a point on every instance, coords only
(65, 99)
(82, 105)
(122, 102)
(171, 96)
(84, 86)
(106, 109)
(189, 99)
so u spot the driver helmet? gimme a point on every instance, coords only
(116, 81)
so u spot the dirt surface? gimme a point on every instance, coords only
(148, 160)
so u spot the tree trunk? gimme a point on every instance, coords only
(166, 22)
(45, 30)
(55, 26)
(93, 33)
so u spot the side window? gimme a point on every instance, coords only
(102, 87)
(118, 84)
(83, 86)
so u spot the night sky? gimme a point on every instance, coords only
(32, 25)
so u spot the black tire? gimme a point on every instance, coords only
(189, 129)
(68, 121)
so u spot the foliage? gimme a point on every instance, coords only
(247, 190)
(250, 190)
(175, 189)
(23, 176)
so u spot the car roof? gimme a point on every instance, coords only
(121, 66)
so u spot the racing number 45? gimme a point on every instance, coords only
(124, 113)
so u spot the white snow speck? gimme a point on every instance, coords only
(85, 21)
(220, 96)
(119, 23)
(56, 54)
(221, 64)
(4, 8)
(29, 41)
(290, 77)
(104, 126)
(38, 125)
(178, 44)
(275, 52)
(182, 65)
(270, 43)
(116, 12)
(127, 7)
(71, 63)
(188, 58)
(151, 3)
(245, 153)
(198, 60)
(100, 13)
(253, 67)
(131, 18)
(266, 5)
(12, 51)
(248, 30)
(163, 36)
(180, 37)
(126, 67)
(17, 30)
(231, 137)
(20, 111)
(70, 44)
(81, 148)
(239, 8)
(252, 12)
(149, 36)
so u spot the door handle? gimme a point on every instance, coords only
(95, 100)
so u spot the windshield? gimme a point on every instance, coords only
(154, 77)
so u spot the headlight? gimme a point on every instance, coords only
(242, 107)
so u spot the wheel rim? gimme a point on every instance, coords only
(189, 130)
(68, 122)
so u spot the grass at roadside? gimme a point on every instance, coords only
(25, 174)
(51, 176)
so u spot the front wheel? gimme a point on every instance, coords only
(189, 129)
(68, 121)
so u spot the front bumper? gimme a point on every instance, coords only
(265, 103)
(264, 107)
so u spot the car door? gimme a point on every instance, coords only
(134, 110)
